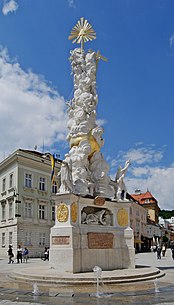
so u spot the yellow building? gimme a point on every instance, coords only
(153, 231)
(149, 203)
(138, 221)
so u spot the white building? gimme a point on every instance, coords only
(26, 207)
(164, 222)
(169, 222)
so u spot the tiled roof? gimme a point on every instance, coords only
(143, 196)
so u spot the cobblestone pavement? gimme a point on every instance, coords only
(159, 291)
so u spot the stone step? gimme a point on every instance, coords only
(88, 278)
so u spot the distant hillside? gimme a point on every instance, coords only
(166, 214)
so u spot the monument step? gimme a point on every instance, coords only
(88, 278)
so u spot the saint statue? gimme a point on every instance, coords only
(119, 179)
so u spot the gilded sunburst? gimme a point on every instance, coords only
(82, 32)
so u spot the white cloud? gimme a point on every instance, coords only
(30, 109)
(9, 7)
(171, 40)
(143, 155)
(101, 122)
(113, 163)
(146, 172)
(160, 184)
(140, 171)
(71, 3)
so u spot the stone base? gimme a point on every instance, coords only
(77, 247)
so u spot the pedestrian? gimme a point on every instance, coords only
(25, 255)
(19, 254)
(173, 252)
(10, 255)
(158, 253)
(154, 248)
(46, 254)
(163, 250)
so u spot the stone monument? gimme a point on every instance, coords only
(92, 212)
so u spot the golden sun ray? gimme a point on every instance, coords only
(82, 32)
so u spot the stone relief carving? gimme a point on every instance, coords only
(96, 216)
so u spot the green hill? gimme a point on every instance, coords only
(166, 214)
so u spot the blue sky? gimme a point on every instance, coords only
(135, 86)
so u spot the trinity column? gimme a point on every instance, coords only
(92, 213)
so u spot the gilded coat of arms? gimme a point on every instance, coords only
(62, 212)
(74, 212)
(122, 217)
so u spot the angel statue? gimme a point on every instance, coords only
(119, 179)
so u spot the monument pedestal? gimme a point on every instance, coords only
(90, 232)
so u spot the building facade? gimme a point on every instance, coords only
(27, 211)
(153, 231)
(138, 221)
(150, 203)
(167, 229)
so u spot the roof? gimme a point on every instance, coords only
(33, 152)
(36, 153)
(143, 196)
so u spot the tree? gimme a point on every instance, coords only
(166, 214)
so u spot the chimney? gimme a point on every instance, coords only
(137, 192)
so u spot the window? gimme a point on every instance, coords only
(41, 211)
(147, 201)
(3, 184)
(137, 213)
(28, 240)
(28, 210)
(54, 187)
(11, 181)
(137, 226)
(3, 208)
(10, 238)
(10, 211)
(42, 184)
(53, 213)
(42, 239)
(3, 239)
(28, 180)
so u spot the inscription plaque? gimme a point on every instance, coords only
(100, 240)
(60, 240)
